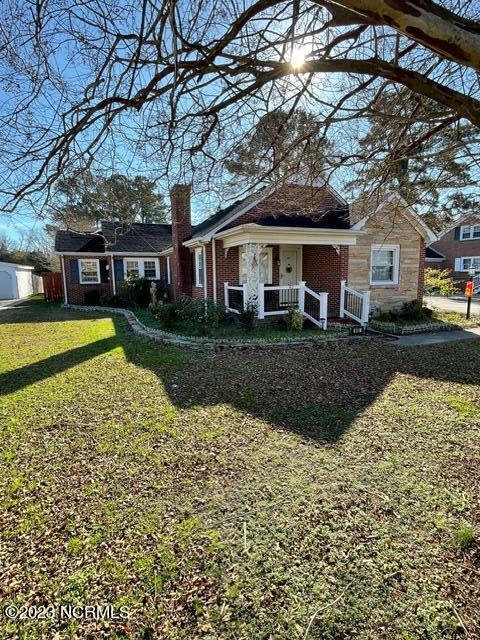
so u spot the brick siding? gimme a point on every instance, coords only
(452, 249)
(76, 292)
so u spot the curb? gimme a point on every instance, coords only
(164, 337)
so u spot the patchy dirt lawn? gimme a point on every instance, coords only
(320, 493)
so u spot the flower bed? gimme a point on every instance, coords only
(143, 323)
(406, 327)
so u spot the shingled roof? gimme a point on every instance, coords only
(139, 238)
(73, 242)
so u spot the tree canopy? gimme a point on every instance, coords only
(176, 86)
(82, 200)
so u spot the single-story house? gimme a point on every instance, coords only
(299, 244)
(17, 281)
(457, 248)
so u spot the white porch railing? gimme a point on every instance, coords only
(277, 300)
(235, 297)
(354, 304)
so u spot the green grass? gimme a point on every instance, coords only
(238, 494)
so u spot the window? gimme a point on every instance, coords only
(265, 266)
(472, 262)
(199, 267)
(150, 269)
(384, 264)
(169, 271)
(89, 271)
(142, 268)
(470, 232)
(132, 269)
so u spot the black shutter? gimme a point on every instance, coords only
(103, 271)
(74, 272)
(118, 266)
(457, 233)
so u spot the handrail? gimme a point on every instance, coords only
(364, 300)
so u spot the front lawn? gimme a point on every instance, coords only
(324, 492)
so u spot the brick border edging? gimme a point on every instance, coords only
(158, 335)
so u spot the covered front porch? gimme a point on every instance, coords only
(281, 268)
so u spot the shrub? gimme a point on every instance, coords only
(412, 310)
(440, 281)
(91, 297)
(111, 300)
(247, 316)
(203, 316)
(294, 319)
(135, 291)
(166, 314)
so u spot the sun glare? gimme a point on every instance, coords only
(297, 58)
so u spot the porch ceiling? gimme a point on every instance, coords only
(255, 233)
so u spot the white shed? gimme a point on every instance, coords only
(16, 281)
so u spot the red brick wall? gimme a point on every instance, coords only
(452, 249)
(323, 270)
(76, 292)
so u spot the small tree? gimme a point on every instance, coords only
(440, 281)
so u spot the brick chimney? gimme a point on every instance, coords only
(181, 229)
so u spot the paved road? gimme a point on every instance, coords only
(455, 303)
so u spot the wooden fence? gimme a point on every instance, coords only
(52, 287)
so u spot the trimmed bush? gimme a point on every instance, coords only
(294, 320)
(203, 316)
(91, 297)
(412, 310)
(166, 314)
(111, 300)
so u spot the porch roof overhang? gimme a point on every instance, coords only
(255, 233)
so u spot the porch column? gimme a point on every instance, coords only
(252, 257)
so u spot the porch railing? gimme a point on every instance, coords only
(354, 304)
(235, 297)
(277, 300)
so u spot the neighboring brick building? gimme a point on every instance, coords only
(295, 245)
(459, 245)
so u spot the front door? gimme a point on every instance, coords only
(289, 273)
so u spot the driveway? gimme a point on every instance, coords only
(453, 303)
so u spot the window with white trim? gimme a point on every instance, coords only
(470, 232)
(471, 262)
(89, 271)
(385, 260)
(142, 268)
(265, 266)
(199, 267)
(169, 271)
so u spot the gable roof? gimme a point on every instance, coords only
(208, 227)
(421, 226)
(139, 238)
(458, 222)
(433, 254)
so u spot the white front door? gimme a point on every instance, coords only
(290, 272)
